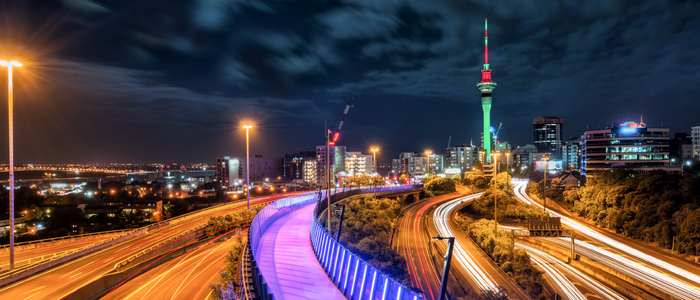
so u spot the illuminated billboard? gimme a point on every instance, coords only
(552, 165)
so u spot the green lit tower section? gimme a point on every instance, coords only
(486, 87)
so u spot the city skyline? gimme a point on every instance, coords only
(180, 95)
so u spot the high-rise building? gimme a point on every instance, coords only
(229, 170)
(310, 171)
(336, 159)
(628, 145)
(571, 154)
(679, 146)
(358, 163)
(395, 166)
(462, 156)
(548, 135)
(696, 142)
(486, 86)
(294, 164)
(262, 168)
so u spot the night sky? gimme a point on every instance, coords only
(173, 81)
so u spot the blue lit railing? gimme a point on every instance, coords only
(262, 221)
(356, 279)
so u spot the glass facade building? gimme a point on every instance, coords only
(548, 135)
(629, 145)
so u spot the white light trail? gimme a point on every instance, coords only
(441, 217)
(655, 278)
(553, 267)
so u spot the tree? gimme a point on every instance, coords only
(62, 216)
(440, 186)
(501, 180)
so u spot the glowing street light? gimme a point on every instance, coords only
(428, 153)
(247, 161)
(9, 65)
(374, 150)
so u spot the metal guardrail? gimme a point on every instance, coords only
(354, 277)
(67, 237)
(158, 245)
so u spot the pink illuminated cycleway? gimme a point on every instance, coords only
(288, 263)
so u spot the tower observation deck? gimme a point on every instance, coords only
(486, 87)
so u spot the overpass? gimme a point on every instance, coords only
(292, 257)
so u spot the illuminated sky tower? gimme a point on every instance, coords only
(486, 86)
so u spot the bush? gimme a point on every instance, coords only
(225, 288)
(440, 186)
(515, 262)
(508, 207)
(367, 230)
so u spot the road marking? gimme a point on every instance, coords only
(41, 287)
(30, 297)
(76, 274)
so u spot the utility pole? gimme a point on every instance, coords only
(446, 267)
(328, 178)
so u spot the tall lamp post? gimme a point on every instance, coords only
(446, 267)
(9, 65)
(507, 171)
(495, 199)
(428, 153)
(374, 151)
(544, 186)
(247, 162)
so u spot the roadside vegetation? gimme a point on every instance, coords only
(651, 207)
(218, 224)
(499, 247)
(435, 186)
(367, 228)
(228, 287)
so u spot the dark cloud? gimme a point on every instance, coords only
(169, 71)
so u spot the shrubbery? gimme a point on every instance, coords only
(367, 230)
(219, 223)
(655, 206)
(515, 262)
(508, 207)
(440, 186)
(225, 288)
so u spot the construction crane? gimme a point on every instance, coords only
(330, 143)
(495, 134)
(336, 135)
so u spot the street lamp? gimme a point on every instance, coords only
(544, 186)
(446, 267)
(507, 168)
(428, 153)
(495, 199)
(9, 65)
(374, 151)
(247, 162)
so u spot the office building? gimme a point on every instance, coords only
(310, 172)
(229, 170)
(548, 135)
(695, 133)
(628, 145)
(521, 157)
(462, 156)
(336, 159)
(395, 166)
(262, 168)
(358, 163)
(571, 154)
(680, 148)
(294, 164)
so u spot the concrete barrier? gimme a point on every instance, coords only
(104, 284)
(38, 269)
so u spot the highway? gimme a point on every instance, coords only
(48, 249)
(482, 273)
(657, 271)
(568, 281)
(412, 242)
(62, 280)
(186, 277)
